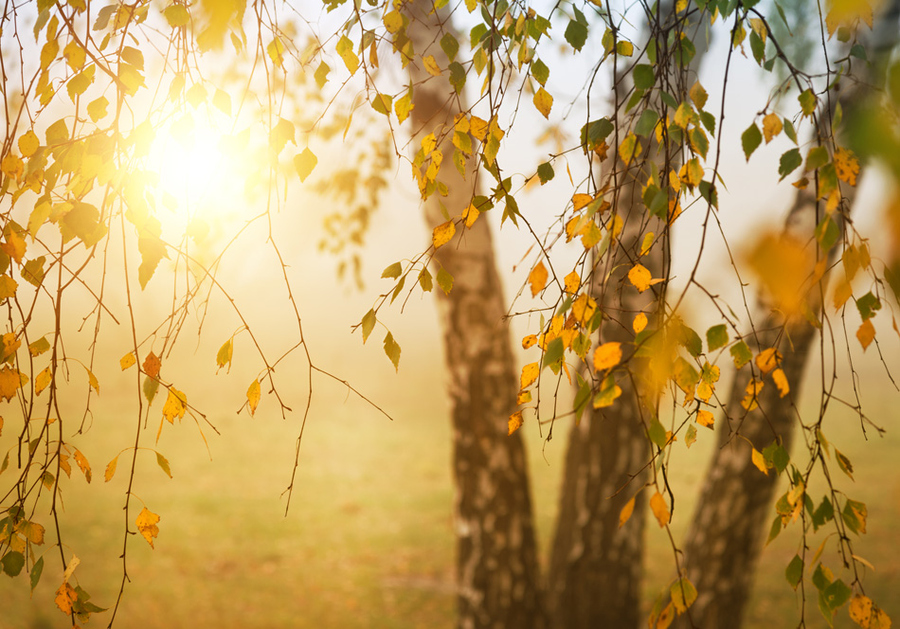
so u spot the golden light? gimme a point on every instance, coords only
(201, 171)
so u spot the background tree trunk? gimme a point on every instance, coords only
(497, 567)
(726, 534)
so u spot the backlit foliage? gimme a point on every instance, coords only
(94, 88)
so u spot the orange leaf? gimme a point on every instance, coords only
(768, 359)
(443, 233)
(537, 278)
(639, 323)
(529, 374)
(152, 365)
(659, 508)
(640, 277)
(759, 461)
(781, 382)
(607, 356)
(866, 333)
(705, 418)
(65, 598)
(147, 525)
(626, 512)
(572, 282)
(515, 422)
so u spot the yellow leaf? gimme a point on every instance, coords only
(751, 394)
(12, 166)
(176, 404)
(529, 375)
(581, 200)
(515, 422)
(147, 525)
(705, 418)
(848, 13)
(127, 361)
(529, 341)
(524, 397)
(253, 395)
(583, 309)
(639, 323)
(83, 465)
(781, 382)
(431, 65)
(666, 617)
(629, 148)
(768, 359)
(443, 233)
(74, 55)
(65, 598)
(647, 243)
(92, 380)
(543, 101)
(659, 508)
(478, 128)
(866, 333)
(32, 531)
(110, 470)
(861, 610)
(759, 461)
(626, 512)
(8, 287)
(640, 277)
(28, 143)
(42, 380)
(846, 165)
(607, 356)
(470, 215)
(772, 126)
(537, 278)
(842, 292)
(698, 95)
(572, 282)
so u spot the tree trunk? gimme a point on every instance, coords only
(497, 568)
(726, 534)
(596, 565)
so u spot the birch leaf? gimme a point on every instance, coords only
(607, 356)
(147, 525)
(660, 509)
(253, 395)
(537, 278)
(443, 233)
(626, 512)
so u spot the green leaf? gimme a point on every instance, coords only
(595, 132)
(382, 103)
(794, 572)
(545, 172)
(450, 46)
(837, 594)
(646, 123)
(36, 570)
(393, 271)
(683, 594)
(789, 129)
(823, 514)
(151, 385)
(741, 354)
(392, 349)
(789, 162)
(445, 281)
(750, 140)
(816, 158)
(457, 76)
(176, 15)
(576, 34)
(775, 529)
(540, 71)
(304, 163)
(690, 340)
(657, 433)
(163, 464)
(12, 563)
(807, 102)
(716, 337)
(368, 324)
(827, 233)
(644, 76)
(555, 351)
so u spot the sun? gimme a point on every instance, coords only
(200, 174)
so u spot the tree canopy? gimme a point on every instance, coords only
(119, 116)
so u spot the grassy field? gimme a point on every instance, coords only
(368, 540)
